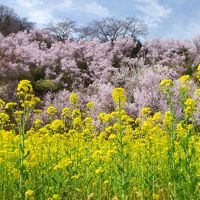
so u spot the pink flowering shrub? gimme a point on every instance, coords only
(93, 69)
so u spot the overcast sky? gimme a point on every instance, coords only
(179, 19)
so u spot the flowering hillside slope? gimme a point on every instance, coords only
(92, 69)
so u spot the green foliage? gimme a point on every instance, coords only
(43, 86)
(37, 72)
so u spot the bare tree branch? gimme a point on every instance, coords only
(110, 28)
(62, 30)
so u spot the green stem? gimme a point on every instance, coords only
(22, 156)
(121, 147)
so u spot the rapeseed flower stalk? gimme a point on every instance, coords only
(4, 119)
(184, 87)
(37, 124)
(190, 107)
(119, 99)
(118, 95)
(168, 119)
(165, 85)
(51, 111)
(24, 88)
(198, 72)
(166, 88)
(73, 99)
(76, 113)
(28, 102)
(66, 117)
(66, 112)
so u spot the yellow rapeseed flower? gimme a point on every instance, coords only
(37, 122)
(157, 116)
(65, 162)
(29, 194)
(118, 95)
(90, 105)
(146, 111)
(88, 121)
(51, 110)
(73, 99)
(37, 111)
(24, 86)
(4, 118)
(112, 136)
(77, 121)
(147, 125)
(168, 118)
(190, 107)
(76, 113)
(190, 102)
(138, 120)
(99, 170)
(198, 72)
(183, 79)
(165, 85)
(104, 117)
(155, 196)
(2, 103)
(57, 125)
(75, 177)
(66, 112)
(10, 105)
(56, 197)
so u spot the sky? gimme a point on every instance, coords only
(166, 19)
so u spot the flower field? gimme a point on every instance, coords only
(153, 156)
